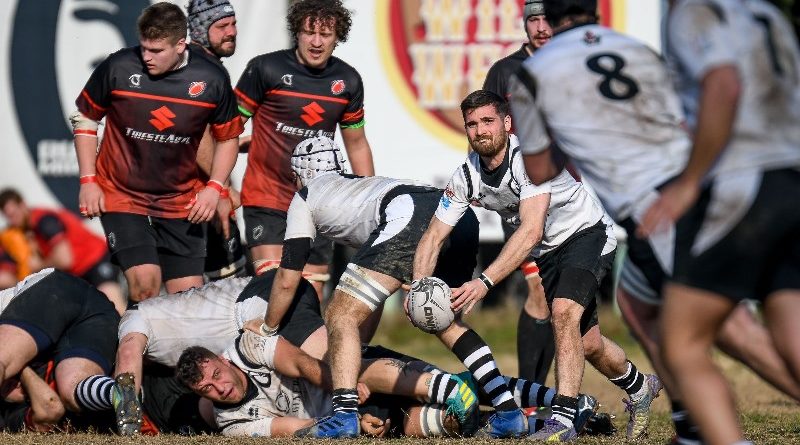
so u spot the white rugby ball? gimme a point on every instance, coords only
(429, 305)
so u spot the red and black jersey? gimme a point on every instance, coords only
(147, 160)
(51, 226)
(290, 102)
(7, 263)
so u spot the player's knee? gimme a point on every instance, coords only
(566, 312)
(143, 285)
(359, 285)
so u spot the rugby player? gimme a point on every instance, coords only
(736, 66)
(292, 95)
(557, 224)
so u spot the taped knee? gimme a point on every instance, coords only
(261, 266)
(356, 283)
(432, 421)
(529, 269)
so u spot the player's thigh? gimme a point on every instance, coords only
(70, 372)
(19, 347)
(361, 291)
(131, 239)
(181, 249)
(264, 227)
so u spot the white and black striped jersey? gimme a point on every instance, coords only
(607, 101)
(209, 316)
(269, 394)
(7, 295)
(342, 207)
(753, 36)
(571, 207)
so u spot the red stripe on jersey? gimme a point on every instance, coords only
(195, 103)
(249, 102)
(308, 96)
(228, 130)
(85, 133)
(92, 103)
(354, 116)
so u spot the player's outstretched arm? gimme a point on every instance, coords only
(281, 296)
(358, 151)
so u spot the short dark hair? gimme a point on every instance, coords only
(583, 11)
(162, 21)
(480, 98)
(8, 195)
(189, 371)
(330, 13)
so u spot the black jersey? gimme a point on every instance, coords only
(290, 102)
(502, 70)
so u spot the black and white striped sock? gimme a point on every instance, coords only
(631, 382)
(529, 394)
(345, 400)
(477, 357)
(564, 409)
(442, 387)
(94, 393)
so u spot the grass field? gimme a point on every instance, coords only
(768, 417)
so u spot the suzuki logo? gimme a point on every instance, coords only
(312, 114)
(161, 118)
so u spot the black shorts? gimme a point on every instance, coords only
(264, 226)
(68, 317)
(177, 245)
(102, 272)
(742, 238)
(395, 256)
(224, 257)
(304, 315)
(171, 406)
(640, 253)
(575, 269)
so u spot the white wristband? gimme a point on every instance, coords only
(267, 331)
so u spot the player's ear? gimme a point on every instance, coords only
(507, 122)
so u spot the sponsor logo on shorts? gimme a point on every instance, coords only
(287, 79)
(112, 240)
(135, 80)
(258, 231)
(337, 87)
(196, 88)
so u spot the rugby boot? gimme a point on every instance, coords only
(587, 406)
(340, 425)
(126, 405)
(505, 424)
(639, 408)
(554, 431)
(464, 406)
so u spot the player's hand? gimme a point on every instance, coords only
(203, 206)
(465, 297)
(674, 200)
(223, 216)
(253, 347)
(236, 198)
(373, 426)
(91, 200)
(363, 393)
(413, 287)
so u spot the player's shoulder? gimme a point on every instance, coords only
(509, 63)
(340, 67)
(210, 68)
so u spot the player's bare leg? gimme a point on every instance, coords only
(781, 310)
(690, 320)
(368, 328)
(113, 292)
(144, 281)
(69, 373)
(18, 349)
(317, 275)
(744, 338)
(605, 355)
(569, 346)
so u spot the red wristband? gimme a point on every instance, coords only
(216, 185)
(85, 179)
(225, 193)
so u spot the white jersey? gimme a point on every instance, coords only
(606, 99)
(753, 36)
(268, 395)
(8, 295)
(571, 209)
(344, 208)
(210, 316)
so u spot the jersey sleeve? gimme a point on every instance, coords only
(527, 117)
(353, 116)
(95, 98)
(225, 122)
(251, 88)
(455, 199)
(50, 228)
(299, 220)
(496, 80)
(699, 39)
(248, 428)
(527, 189)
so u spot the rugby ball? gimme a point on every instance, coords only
(429, 305)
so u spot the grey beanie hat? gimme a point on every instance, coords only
(532, 7)
(202, 14)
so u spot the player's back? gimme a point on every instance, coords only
(753, 36)
(608, 102)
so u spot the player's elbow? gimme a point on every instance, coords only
(48, 413)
